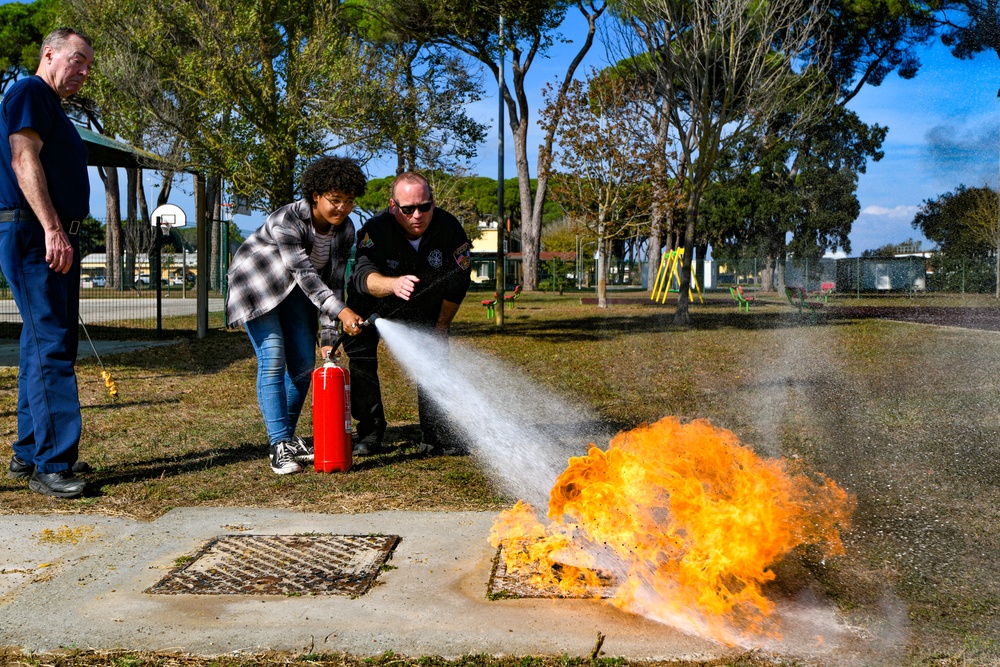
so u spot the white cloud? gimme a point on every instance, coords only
(894, 213)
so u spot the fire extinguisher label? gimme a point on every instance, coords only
(347, 409)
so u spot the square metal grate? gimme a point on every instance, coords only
(281, 565)
(504, 584)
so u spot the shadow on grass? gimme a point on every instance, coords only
(162, 467)
(216, 352)
(121, 405)
(608, 325)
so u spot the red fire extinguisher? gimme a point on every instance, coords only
(332, 417)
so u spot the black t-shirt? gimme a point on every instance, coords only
(441, 262)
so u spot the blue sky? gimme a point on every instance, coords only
(943, 132)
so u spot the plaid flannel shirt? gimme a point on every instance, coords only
(275, 259)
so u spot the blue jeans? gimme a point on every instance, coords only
(284, 341)
(48, 405)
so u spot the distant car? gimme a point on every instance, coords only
(100, 281)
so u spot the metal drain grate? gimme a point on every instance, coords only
(504, 584)
(281, 565)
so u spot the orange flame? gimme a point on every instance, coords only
(685, 519)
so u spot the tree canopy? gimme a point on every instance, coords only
(254, 88)
(953, 220)
(22, 28)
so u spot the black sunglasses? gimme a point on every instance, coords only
(423, 208)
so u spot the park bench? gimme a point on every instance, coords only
(742, 300)
(799, 298)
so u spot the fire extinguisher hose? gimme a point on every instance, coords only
(342, 337)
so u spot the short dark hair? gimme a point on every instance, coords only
(332, 173)
(57, 38)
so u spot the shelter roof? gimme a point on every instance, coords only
(107, 152)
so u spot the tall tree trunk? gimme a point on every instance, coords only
(112, 228)
(767, 275)
(531, 224)
(165, 187)
(682, 314)
(133, 235)
(602, 263)
(659, 209)
(533, 204)
(213, 195)
(654, 246)
(779, 272)
(140, 192)
(400, 158)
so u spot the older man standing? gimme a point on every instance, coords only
(44, 196)
(412, 265)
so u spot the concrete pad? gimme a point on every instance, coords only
(78, 581)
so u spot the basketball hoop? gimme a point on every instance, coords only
(168, 216)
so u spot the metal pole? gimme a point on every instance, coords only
(201, 286)
(157, 249)
(501, 222)
(578, 262)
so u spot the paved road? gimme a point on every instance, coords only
(110, 310)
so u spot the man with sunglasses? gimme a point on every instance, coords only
(412, 265)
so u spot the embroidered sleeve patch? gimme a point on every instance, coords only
(462, 257)
(366, 242)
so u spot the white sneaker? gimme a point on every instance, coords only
(301, 451)
(282, 461)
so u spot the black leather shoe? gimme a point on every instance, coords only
(59, 484)
(19, 469)
(22, 469)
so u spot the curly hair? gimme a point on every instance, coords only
(334, 174)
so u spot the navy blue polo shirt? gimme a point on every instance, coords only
(31, 103)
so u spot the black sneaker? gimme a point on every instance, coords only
(282, 461)
(19, 469)
(428, 449)
(301, 451)
(367, 446)
(59, 484)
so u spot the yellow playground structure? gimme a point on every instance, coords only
(668, 278)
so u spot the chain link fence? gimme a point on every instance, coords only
(918, 273)
(148, 289)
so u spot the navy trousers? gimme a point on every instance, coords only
(48, 404)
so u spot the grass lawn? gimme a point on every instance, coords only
(904, 416)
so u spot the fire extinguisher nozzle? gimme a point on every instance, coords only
(371, 319)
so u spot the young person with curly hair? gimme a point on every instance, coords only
(286, 281)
